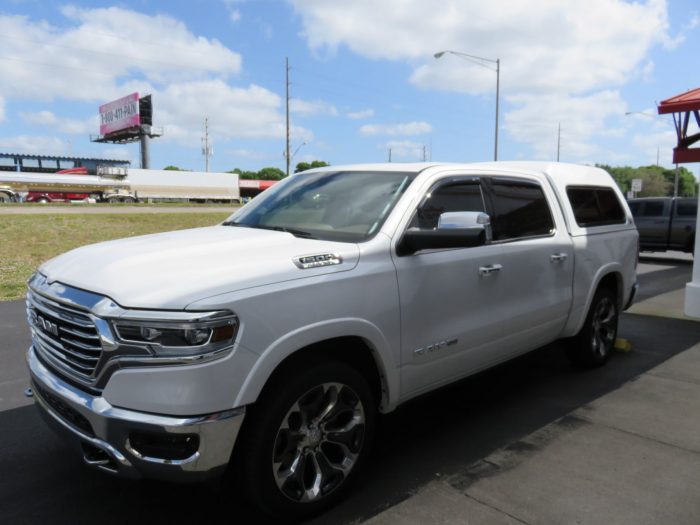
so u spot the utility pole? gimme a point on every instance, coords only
(498, 96)
(424, 155)
(675, 182)
(286, 61)
(558, 140)
(207, 149)
(389, 154)
(657, 156)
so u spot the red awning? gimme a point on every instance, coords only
(682, 107)
(688, 101)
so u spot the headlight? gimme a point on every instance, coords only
(178, 338)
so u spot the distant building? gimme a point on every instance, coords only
(54, 163)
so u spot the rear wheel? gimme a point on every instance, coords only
(594, 343)
(306, 439)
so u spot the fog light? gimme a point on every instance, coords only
(170, 447)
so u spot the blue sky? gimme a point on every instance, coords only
(363, 78)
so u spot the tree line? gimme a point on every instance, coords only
(268, 173)
(657, 181)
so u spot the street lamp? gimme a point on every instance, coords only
(480, 61)
(676, 175)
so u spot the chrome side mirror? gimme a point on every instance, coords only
(454, 220)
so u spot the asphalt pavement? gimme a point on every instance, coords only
(531, 441)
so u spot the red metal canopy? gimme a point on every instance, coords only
(682, 106)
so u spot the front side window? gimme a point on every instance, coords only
(347, 206)
(653, 209)
(520, 210)
(450, 197)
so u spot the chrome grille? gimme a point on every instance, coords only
(65, 336)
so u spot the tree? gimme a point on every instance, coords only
(271, 173)
(174, 168)
(303, 166)
(264, 174)
(656, 180)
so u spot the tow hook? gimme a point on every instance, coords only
(28, 392)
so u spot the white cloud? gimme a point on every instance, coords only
(536, 120)
(2, 109)
(117, 153)
(401, 129)
(404, 150)
(233, 112)
(543, 44)
(35, 144)
(559, 61)
(312, 108)
(360, 115)
(88, 59)
(62, 124)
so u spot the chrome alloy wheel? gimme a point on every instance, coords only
(604, 327)
(318, 442)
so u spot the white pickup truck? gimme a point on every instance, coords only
(270, 343)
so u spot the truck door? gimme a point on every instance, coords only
(468, 308)
(652, 221)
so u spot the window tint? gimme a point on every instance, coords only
(687, 209)
(451, 197)
(520, 210)
(653, 209)
(595, 206)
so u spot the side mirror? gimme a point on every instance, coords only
(466, 220)
(455, 230)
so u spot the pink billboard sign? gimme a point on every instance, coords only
(120, 114)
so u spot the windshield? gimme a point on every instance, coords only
(345, 206)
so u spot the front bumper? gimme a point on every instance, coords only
(107, 436)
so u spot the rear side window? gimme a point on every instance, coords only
(687, 209)
(520, 209)
(595, 206)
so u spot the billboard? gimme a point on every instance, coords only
(120, 114)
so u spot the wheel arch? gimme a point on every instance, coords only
(356, 342)
(610, 276)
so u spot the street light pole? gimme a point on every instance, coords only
(480, 62)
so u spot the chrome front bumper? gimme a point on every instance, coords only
(106, 436)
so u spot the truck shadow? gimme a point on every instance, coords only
(435, 435)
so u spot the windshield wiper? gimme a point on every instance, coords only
(297, 233)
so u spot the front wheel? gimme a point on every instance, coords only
(306, 440)
(592, 346)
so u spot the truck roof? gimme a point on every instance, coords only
(561, 173)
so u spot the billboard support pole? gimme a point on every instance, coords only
(145, 151)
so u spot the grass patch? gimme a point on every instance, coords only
(26, 241)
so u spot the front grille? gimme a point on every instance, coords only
(64, 336)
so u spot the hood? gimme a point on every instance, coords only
(171, 270)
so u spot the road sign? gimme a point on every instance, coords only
(636, 185)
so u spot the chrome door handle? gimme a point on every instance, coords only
(558, 257)
(490, 269)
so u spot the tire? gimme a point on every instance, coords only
(113, 200)
(592, 346)
(305, 440)
(43, 201)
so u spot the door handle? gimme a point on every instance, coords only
(557, 257)
(490, 269)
